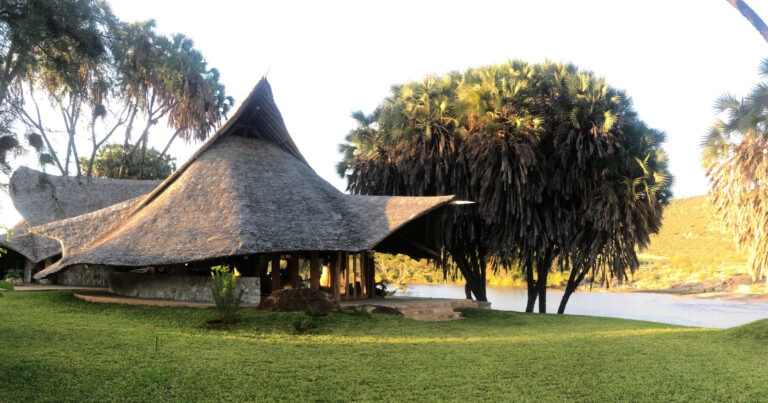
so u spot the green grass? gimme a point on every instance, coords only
(55, 347)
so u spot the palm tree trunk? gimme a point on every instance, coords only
(532, 294)
(542, 271)
(541, 287)
(569, 289)
(751, 16)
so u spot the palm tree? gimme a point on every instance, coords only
(735, 154)
(166, 77)
(532, 145)
(362, 142)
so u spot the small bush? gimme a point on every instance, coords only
(224, 289)
(12, 273)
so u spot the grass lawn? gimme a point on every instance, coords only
(56, 347)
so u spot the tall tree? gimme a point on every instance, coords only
(167, 78)
(735, 154)
(142, 80)
(45, 34)
(533, 145)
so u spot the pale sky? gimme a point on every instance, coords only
(325, 59)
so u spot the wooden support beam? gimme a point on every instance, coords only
(354, 276)
(276, 284)
(371, 269)
(345, 273)
(364, 276)
(335, 276)
(293, 270)
(314, 270)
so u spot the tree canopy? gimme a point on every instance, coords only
(43, 35)
(74, 59)
(735, 154)
(560, 166)
(110, 159)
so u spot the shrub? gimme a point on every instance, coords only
(224, 289)
(12, 273)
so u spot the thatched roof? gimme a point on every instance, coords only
(247, 190)
(41, 198)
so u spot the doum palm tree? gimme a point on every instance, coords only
(735, 154)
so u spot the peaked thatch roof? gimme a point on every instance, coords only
(247, 190)
(41, 198)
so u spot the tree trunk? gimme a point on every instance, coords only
(162, 154)
(467, 290)
(473, 276)
(532, 294)
(569, 289)
(751, 16)
(577, 275)
(541, 287)
(543, 265)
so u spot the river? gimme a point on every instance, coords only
(664, 308)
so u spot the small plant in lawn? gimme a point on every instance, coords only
(224, 289)
(305, 325)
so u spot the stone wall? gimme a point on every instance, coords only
(84, 275)
(176, 287)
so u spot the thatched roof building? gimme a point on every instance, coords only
(247, 191)
(41, 198)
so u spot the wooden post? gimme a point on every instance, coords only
(335, 276)
(293, 270)
(314, 270)
(276, 284)
(363, 278)
(371, 268)
(354, 276)
(345, 273)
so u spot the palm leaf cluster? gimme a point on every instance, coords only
(560, 167)
(735, 154)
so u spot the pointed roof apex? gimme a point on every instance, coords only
(256, 117)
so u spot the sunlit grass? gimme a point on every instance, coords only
(56, 347)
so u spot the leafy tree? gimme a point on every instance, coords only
(109, 164)
(536, 146)
(36, 35)
(146, 78)
(735, 154)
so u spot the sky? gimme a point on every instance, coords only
(325, 59)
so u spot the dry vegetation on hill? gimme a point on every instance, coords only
(691, 252)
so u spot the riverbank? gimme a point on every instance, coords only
(656, 306)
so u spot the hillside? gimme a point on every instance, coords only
(691, 252)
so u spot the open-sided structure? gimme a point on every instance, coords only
(249, 199)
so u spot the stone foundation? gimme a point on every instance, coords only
(85, 276)
(176, 287)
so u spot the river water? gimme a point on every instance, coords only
(664, 308)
